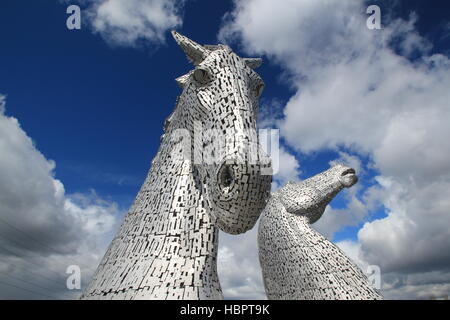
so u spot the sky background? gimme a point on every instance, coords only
(82, 111)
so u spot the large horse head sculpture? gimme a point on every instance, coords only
(218, 107)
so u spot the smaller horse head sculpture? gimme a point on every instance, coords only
(311, 196)
(218, 108)
(298, 263)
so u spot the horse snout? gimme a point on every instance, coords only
(348, 177)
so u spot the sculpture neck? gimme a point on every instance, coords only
(190, 237)
(166, 247)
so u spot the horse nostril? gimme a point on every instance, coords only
(226, 176)
(348, 171)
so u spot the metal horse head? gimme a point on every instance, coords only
(311, 196)
(218, 109)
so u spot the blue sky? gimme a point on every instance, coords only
(95, 106)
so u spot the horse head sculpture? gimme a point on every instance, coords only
(297, 262)
(220, 102)
(310, 197)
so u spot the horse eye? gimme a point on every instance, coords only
(259, 89)
(202, 76)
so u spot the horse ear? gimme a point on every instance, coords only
(181, 81)
(195, 52)
(253, 62)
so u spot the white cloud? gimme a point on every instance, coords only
(415, 236)
(360, 89)
(134, 22)
(238, 266)
(353, 249)
(288, 167)
(352, 161)
(430, 285)
(42, 229)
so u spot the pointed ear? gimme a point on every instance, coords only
(195, 52)
(181, 81)
(253, 62)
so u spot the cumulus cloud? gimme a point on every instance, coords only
(350, 160)
(43, 230)
(238, 266)
(380, 94)
(414, 237)
(133, 22)
(288, 168)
